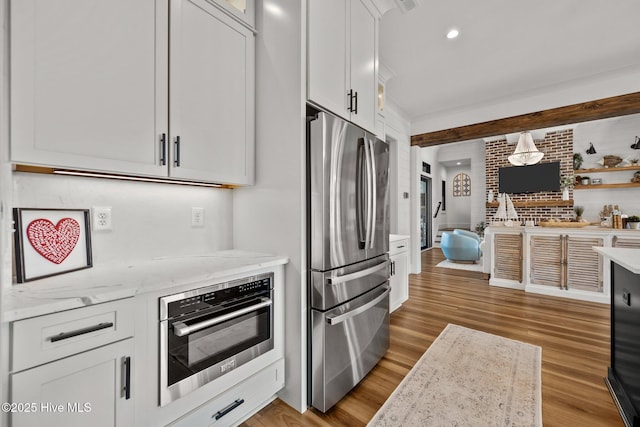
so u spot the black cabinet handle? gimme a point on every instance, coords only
(221, 413)
(127, 377)
(176, 161)
(163, 149)
(65, 335)
(350, 95)
(356, 98)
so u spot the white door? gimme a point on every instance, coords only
(328, 80)
(78, 391)
(363, 65)
(88, 84)
(211, 95)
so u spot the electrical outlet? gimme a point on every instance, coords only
(197, 217)
(101, 218)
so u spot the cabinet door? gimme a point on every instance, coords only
(212, 95)
(363, 69)
(399, 280)
(584, 265)
(507, 262)
(327, 68)
(82, 390)
(88, 84)
(546, 261)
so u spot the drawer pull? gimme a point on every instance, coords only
(64, 335)
(401, 246)
(228, 409)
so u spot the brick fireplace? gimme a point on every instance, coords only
(556, 146)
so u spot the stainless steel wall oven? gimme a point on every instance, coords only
(207, 332)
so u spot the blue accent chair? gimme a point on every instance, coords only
(461, 245)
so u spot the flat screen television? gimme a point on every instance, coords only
(529, 179)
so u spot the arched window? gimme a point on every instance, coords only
(461, 185)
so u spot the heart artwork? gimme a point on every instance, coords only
(53, 242)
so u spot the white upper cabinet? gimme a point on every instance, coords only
(343, 59)
(83, 84)
(212, 95)
(105, 86)
(243, 10)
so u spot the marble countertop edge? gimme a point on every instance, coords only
(112, 282)
(628, 258)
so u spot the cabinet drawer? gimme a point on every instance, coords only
(46, 338)
(239, 402)
(398, 246)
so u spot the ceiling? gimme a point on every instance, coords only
(506, 50)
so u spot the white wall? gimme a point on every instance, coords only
(5, 201)
(435, 155)
(458, 207)
(397, 128)
(611, 136)
(149, 219)
(474, 150)
(270, 216)
(602, 86)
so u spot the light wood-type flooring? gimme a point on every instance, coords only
(574, 337)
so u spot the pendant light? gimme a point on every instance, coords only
(526, 152)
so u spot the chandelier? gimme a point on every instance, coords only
(526, 152)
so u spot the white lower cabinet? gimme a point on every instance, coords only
(74, 368)
(87, 389)
(399, 279)
(239, 402)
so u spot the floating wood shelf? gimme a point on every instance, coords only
(614, 169)
(600, 186)
(535, 203)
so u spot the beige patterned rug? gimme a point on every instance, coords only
(469, 378)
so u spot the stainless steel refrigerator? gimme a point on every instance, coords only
(348, 225)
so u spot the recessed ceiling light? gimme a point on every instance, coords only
(453, 33)
(458, 163)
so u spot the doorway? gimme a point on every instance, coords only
(425, 212)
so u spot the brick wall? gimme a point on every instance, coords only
(557, 146)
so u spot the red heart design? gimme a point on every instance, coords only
(54, 243)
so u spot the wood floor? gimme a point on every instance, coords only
(574, 337)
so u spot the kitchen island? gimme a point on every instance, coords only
(623, 378)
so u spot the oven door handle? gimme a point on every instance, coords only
(334, 320)
(181, 329)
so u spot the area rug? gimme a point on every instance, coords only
(460, 266)
(469, 378)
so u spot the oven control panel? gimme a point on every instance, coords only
(211, 296)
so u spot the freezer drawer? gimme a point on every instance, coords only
(347, 342)
(334, 287)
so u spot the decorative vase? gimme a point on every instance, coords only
(490, 196)
(634, 225)
(565, 193)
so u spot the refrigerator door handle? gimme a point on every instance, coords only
(374, 193)
(361, 194)
(370, 195)
(358, 274)
(335, 320)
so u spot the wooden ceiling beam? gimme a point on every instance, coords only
(592, 110)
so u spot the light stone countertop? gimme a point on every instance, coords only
(626, 257)
(111, 282)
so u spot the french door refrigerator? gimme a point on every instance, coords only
(348, 235)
